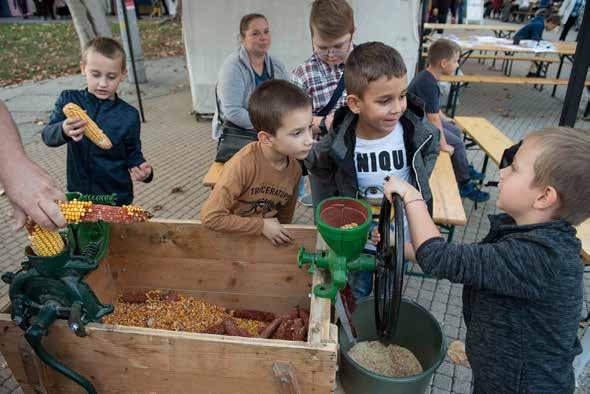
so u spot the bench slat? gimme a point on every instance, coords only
(447, 204)
(212, 176)
(504, 80)
(486, 135)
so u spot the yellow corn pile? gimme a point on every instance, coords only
(45, 242)
(91, 130)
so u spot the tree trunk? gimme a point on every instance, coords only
(89, 19)
(178, 16)
(98, 15)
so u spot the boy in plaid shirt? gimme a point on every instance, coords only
(332, 27)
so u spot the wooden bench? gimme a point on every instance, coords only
(448, 210)
(457, 80)
(493, 142)
(212, 176)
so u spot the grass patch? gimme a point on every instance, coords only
(37, 51)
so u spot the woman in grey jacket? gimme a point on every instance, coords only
(243, 70)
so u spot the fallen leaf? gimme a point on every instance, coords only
(157, 208)
(456, 353)
(177, 189)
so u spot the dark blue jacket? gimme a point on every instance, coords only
(522, 302)
(92, 170)
(533, 30)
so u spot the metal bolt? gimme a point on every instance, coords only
(74, 327)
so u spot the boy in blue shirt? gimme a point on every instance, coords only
(533, 30)
(90, 169)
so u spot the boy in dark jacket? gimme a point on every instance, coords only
(523, 282)
(90, 169)
(380, 132)
(533, 30)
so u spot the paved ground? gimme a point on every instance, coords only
(180, 149)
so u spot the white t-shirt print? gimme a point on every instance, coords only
(376, 159)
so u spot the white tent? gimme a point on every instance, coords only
(211, 34)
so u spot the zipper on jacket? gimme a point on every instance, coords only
(414, 162)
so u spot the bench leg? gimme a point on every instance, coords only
(561, 58)
(484, 167)
(455, 98)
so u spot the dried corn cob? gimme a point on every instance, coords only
(91, 130)
(45, 242)
(76, 211)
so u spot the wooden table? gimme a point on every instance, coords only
(494, 142)
(500, 31)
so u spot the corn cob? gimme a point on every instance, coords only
(91, 130)
(76, 211)
(45, 242)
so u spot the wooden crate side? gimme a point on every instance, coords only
(102, 283)
(273, 279)
(127, 359)
(190, 239)
(11, 342)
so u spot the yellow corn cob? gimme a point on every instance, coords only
(74, 211)
(45, 242)
(91, 130)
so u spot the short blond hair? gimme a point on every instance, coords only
(442, 49)
(564, 164)
(331, 19)
(107, 47)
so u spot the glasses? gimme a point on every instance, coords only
(508, 155)
(335, 51)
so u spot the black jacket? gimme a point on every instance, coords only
(522, 303)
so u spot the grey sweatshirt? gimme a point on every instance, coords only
(522, 303)
(235, 83)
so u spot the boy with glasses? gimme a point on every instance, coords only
(332, 28)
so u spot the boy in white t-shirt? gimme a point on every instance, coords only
(381, 132)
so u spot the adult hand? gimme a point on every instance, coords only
(74, 128)
(141, 172)
(34, 193)
(276, 233)
(329, 121)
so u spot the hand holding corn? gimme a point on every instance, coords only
(50, 243)
(74, 128)
(76, 116)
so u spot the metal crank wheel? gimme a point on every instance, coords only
(389, 270)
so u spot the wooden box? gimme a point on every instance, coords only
(227, 269)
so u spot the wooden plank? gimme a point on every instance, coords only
(447, 202)
(212, 176)
(560, 48)
(102, 283)
(285, 378)
(456, 26)
(11, 338)
(190, 239)
(486, 135)
(500, 79)
(584, 236)
(543, 59)
(233, 276)
(130, 359)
